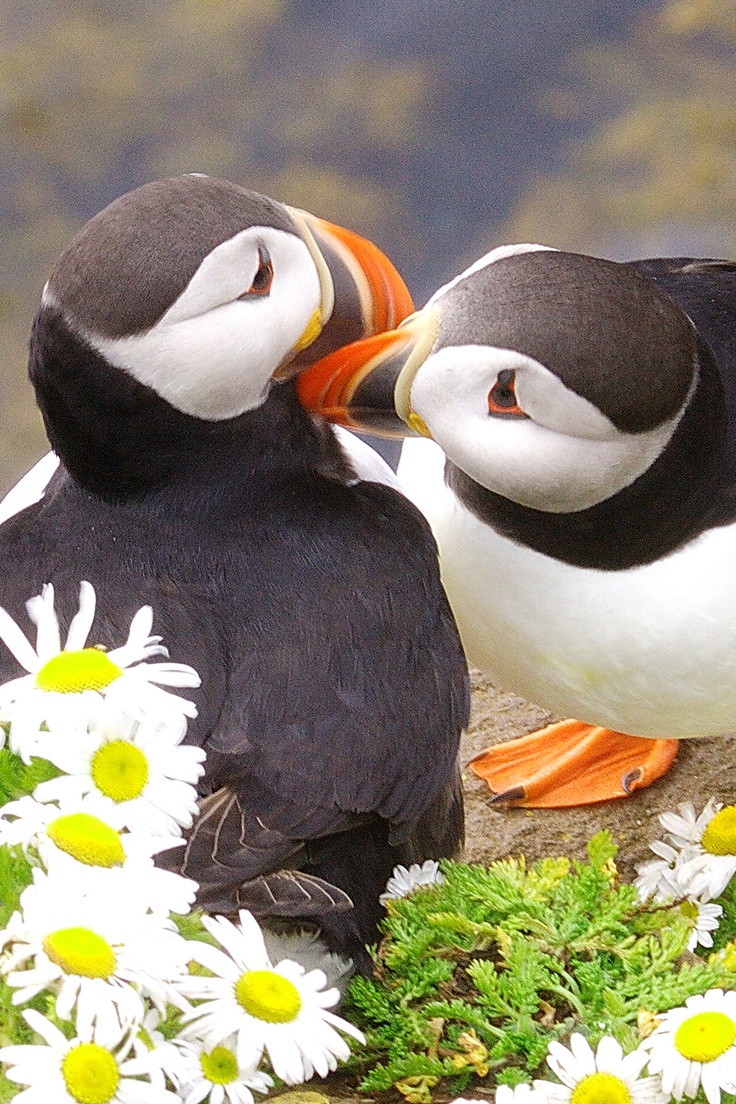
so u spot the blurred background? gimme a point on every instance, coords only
(438, 128)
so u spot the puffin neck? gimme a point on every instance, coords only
(690, 487)
(118, 438)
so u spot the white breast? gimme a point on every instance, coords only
(650, 651)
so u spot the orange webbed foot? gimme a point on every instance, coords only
(571, 763)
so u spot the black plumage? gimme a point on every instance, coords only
(334, 687)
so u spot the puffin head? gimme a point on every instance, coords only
(552, 379)
(194, 294)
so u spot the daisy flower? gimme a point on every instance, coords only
(64, 687)
(93, 1068)
(699, 849)
(280, 1009)
(404, 881)
(696, 1045)
(607, 1075)
(90, 941)
(663, 883)
(213, 1073)
(659, 879)
(72, 834)
(705, 919)
(134, 774)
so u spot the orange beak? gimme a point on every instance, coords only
(362, 293)
(367, 385)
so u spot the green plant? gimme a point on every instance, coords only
(478, 974)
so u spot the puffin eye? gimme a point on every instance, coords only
(502, 396)
(263, 278)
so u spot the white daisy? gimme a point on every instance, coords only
(706, 918)
(64, 687)
(72, 834)
(696, 1045)
(93, 1068)
(607, 1075)
(134, 774)
(213, 1073)
(713, 865)
(698, 849)
(280, 1009)
(90, 941)
(404, 881)
(658, 879)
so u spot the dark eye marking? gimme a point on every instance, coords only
(263, 278)
(502, 396)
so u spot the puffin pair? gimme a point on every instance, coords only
(586, 513)
(305, 593)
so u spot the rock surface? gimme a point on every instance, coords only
(703, 768)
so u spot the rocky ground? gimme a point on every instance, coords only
(703, 768)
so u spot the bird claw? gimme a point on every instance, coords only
(505, 797)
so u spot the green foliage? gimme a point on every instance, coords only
(15, 875)
(18, 778)
(477, 975)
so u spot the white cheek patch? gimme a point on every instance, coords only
(223, 275)
(565, 456)
(212, 355)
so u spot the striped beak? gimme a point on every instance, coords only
(366, 385)
(362, 293)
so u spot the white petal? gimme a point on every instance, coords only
(81, 623)
(171, 674)
(580, 1047)
(213, 959)
(198, 1093)
(48, 1031)
(41, 611)
(608, 1056)
(138, 637)
(17, 643)
(711, 1083)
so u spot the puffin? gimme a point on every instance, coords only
(581, 482)
(303, 589)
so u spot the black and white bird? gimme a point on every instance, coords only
(306, 594)
(586, 508)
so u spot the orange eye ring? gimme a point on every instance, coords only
(502, 396)
(263, 278)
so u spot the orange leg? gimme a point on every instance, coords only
(571, 763)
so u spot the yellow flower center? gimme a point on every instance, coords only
(80, 951)
(120, 770)
(90, 1073)
(73, 672)
(268, 996)
(87, 839)
(220, 1066)
(719, 837)
(705, 1036)
(600, 1088)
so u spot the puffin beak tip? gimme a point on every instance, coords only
(366, 385)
